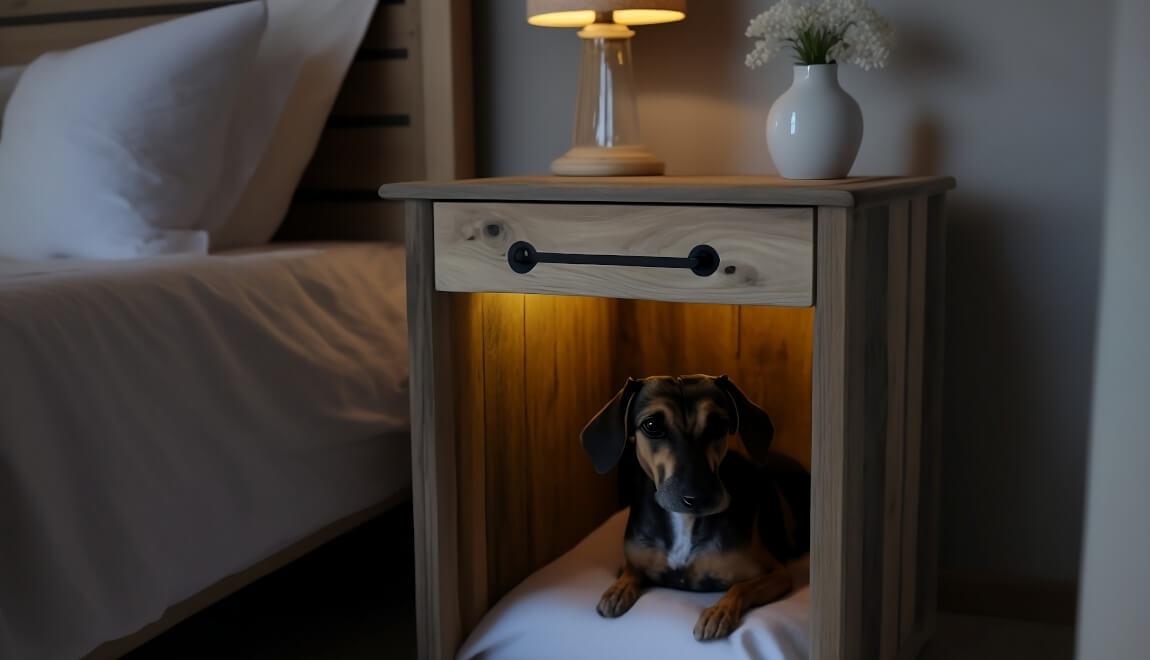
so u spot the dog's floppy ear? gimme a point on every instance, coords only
(751, 422)
(605, 436)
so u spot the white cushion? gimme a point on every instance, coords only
(302, 62)
(112, 150)
(552, 615)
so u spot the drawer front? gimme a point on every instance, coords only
(766, 254)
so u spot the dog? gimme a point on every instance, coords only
(704, 516)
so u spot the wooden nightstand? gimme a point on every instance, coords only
(825, 302)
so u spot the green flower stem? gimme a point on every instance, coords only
(813, 45)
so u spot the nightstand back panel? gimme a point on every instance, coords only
(531, 370)
(766, 254)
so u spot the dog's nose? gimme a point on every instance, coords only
(689, 501)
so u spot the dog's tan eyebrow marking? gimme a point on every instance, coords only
(716, 452)
(703, 410)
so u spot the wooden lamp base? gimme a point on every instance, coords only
(608, 161)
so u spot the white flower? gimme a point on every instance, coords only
(833, 31)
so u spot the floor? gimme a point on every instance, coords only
(345, 602)
(960, 637)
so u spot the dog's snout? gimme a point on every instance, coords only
(689, 501)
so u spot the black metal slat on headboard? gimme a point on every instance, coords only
(363, 55)
(128, 12)
(376, 54)
(113, 13)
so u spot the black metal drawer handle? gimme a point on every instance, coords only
(703, 260)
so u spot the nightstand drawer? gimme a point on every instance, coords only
(714, 254)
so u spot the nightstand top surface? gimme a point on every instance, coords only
(735, 190)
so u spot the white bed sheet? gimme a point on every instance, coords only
(552, 615)
(165, 423)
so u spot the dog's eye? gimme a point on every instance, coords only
(652, 428)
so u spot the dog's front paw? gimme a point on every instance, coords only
(618, 598)
(717, 622)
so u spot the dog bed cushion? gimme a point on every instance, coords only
(552, 615)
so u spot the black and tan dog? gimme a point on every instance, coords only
(703, 518)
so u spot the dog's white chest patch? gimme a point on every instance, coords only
(679, 554)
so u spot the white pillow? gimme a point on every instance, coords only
(304, 57)
(112, 150)
(552, 615)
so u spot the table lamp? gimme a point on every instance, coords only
(606, 140)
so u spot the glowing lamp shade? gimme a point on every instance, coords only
(606, 136)
(578, 13)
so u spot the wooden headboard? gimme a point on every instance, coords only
(404, 112)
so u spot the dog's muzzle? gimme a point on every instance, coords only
(677, 496)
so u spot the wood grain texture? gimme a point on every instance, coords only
(547, 370)
(448, 125)
(505, 420)
(766, 351)
(897, 285)
(359, 158)
(569, 376)
(21, 45)
(649, 340)
(912, 462)
(852, 350)
(395, 25)
(836, 462)
(380, 87)
(471, 446)
(870, 429)
(766, 254)
(929, 498)
(874, 268)
(433, 445)
(719, 190)
(773, 366)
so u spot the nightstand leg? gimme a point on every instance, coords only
(876, 386)
(432, 444)
(838, 434)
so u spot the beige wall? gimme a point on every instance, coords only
(1116, 582)
(1011, 98)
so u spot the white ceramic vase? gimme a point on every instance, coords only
(815, 128)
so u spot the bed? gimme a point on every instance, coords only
(173, 428)
(169, 422)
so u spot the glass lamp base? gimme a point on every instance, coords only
(629, 160)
